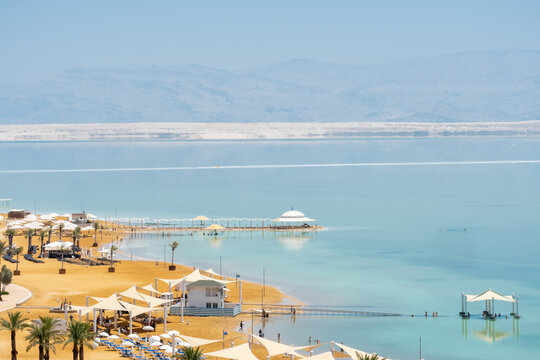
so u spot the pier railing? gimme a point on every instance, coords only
(307, 310)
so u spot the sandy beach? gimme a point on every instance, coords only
(260, 131)
(48, 288)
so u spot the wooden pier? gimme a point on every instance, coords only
(307, 310)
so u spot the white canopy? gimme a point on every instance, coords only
(489, 295)
(191, 278)
(240, 352)
(150, 288)
(58, 245)
(82, 310)
(293, 216)
(211, 272)
(132, 293)
(198, 341)
(275, 348)
(135, 309)
(324, 356)
(352, 351)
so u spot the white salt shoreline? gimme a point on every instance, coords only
(260, 131)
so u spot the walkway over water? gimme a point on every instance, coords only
(307, 310)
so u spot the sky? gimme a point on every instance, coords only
(40, 39)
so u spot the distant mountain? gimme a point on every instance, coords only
(466, 87)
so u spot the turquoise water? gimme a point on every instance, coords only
(403, 239)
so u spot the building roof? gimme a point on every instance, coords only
(206, 283)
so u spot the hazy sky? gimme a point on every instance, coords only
(39, 39)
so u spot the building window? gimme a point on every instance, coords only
(214, 305)
(208, 305)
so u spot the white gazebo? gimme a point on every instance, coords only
(489, 296)
(293, 217)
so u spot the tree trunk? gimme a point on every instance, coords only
(29, 244)
(40, 349)
(81, 352)
(46, 352)
(10, 241)
(13, 346)
(75, 351)
(41, 248)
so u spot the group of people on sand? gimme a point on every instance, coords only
(65, 305)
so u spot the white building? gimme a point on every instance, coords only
(206, 294)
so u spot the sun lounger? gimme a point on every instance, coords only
(30, 258)
(8, 257)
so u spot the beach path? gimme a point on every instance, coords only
(17, 296)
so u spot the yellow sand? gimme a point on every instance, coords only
(48, 286)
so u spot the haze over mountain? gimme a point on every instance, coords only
(465, 87)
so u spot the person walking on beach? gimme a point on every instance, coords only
(279, 338)
(241, 326)
(310, 340)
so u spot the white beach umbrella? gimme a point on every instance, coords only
(133, 336)
(97, 340)
(91, 216)
(103, 334)
(173, 332)
(34, 225)
(148, 328)
(127, 343)
(113, 337)
(154, 338)
(165, 336)
(169, 350)
(30, 217)
(15, 227)
(156, 343)
(182, 344)
(165, 347)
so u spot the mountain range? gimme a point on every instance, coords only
(464, 87)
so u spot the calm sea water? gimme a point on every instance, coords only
(401, 239)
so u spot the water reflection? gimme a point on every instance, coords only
(489, 333)
(294, 241)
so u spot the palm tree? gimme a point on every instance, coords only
(113, 249)
(53, 334)
(17, 251)
(173, 246)
(60, 228)
(3, 249)
(42, 234)
(96, 228)
(15, 322)
(79, 333)
(62, 248)
(76, 235)
(29, 233)
(190, 353)
(49, 233)
(36, 337)
(368, 357)
(10, 233)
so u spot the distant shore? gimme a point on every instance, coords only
(261, 131)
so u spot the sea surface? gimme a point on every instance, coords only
(401, 238)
